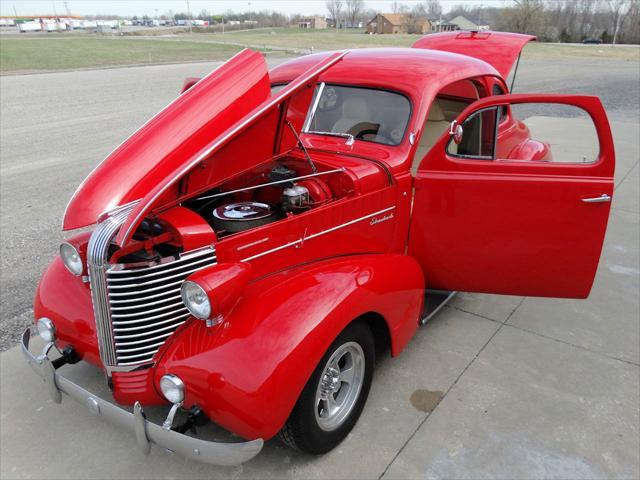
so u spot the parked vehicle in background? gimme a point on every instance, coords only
(592, 41)
(30, 27)
(246, 255)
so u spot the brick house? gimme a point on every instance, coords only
(391, 23)
(312, 22)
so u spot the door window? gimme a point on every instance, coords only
(535, 132)
(479, 136)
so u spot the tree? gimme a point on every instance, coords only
(396, 7)
(526, 17)
(354, 11)
(412, 20)
(434, 9)
(335, 11)
(618, 10)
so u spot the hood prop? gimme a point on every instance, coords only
(304, 149)
(515, 72)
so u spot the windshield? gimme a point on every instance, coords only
(366, 114)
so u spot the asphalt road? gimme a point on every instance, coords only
(492, 387)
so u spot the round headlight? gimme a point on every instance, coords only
(196, 300)
(172, 388)
(71, 258)
(46, 329)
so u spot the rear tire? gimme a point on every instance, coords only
(333, 398)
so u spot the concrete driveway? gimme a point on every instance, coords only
(492, 387)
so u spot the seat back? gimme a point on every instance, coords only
(354, 110)
(434, 127)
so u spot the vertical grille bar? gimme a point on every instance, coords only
(97, 252)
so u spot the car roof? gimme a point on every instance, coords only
(416, 72)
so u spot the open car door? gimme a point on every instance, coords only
(516, 205)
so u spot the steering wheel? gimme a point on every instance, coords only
(376, 133)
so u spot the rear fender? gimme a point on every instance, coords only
(248, 372)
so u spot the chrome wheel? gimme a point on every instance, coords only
(339, 386)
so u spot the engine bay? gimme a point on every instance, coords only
(274, 191)
(269, 194)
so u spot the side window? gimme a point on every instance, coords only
(504, 111)
(478, 138)
(550, 132)
(542, 132)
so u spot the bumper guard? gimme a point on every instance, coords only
(146, 433)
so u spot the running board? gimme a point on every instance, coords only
(434, 300)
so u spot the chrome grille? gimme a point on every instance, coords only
(145, 304)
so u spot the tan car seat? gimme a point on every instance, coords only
(354, 110)
(434, 127)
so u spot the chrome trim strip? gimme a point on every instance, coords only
(97, 265)
(214, 453)
(137, 349)
(159, 272)
(141, 301)
(137, 314)
(314, 107)
(127, 268)
(180, 316)
(138, 335)
(314, 235)
(155, 281)
(268, 184)
(145, 290)
(290, 89)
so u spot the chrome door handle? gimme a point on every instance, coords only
(604, 198)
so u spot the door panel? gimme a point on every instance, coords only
(515, 223)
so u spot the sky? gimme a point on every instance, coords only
(150, 7)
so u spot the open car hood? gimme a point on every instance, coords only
(218, 168)
(191, 128)
(498, 49)
(170, 138)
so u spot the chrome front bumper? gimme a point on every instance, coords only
(146, 433)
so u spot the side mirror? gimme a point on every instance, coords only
(456, 131)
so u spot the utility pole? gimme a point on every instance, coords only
(249, 13)
(66, 7)
(15, 12)
(189, 15)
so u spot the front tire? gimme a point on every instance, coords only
(333, 398)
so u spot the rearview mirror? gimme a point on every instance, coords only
(456, 131)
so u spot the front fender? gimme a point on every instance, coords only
(66, 300)
(248, 372)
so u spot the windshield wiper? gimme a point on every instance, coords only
(350, 138)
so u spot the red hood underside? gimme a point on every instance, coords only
(171, 137)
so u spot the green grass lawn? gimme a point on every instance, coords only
(64, 53)
(306, 39)
(329, 39)
(70, 51)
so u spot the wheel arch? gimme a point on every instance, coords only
(248, 372)
(379, 327)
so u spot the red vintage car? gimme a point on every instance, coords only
(258, 242)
